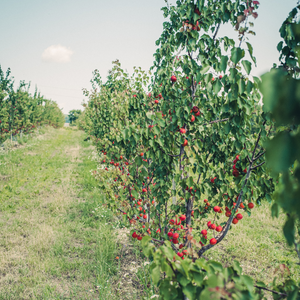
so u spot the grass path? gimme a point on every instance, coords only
(52, 245)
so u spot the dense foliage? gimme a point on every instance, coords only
(184, 161)
(74, 114)
(22, 112)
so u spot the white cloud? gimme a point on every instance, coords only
(57, 53)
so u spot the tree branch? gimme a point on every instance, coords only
(257, 166)
(274, 292)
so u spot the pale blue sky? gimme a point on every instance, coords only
(98, 32)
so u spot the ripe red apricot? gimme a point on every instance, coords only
(170, 234)
(179, 254)
(182, 130)
(250, 205)
(213, 226)
(239, 216)
(192, 118)
(156, 101)
(182, 217)
(134, 235)
(219, 228)
(197, 114)
(217, 208)
(175, 236)
(213, 241)
(144, 190)
(228, 213)
(175, 241)
(204, 232)
(235, 173)
(235, 221)
(185, 143)
(139, 238)
(208, 224)
(173, 78)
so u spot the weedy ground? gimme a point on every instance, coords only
(58, 241)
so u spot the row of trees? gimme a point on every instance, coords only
(22, 112)
(186, 160)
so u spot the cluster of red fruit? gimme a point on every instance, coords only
(235, 171)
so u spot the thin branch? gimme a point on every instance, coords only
(238, 202)
(216, 32)
(274, 292)
(259, 155)
(298, 252)
(216, 121)
(257, 166)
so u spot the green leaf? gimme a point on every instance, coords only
(155, 274)
(289, 230)
(247, 66)
(204, 69)
(237, 268)
(250, 49)
(237, 54)
(217, 86)
(224, 61)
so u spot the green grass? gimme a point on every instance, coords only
(52, 245)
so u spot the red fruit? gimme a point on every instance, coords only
(242, 205)
(239, 216)
(219, 228)
(172, 222)
(182, 217)
(175, 241)
(235, 173)
(158, 230)
(175, 236)
(134, 235)
(213, 79)
(139, 237)
(197, 114)
(144, 190)
(217, 208)
(142, 154)
(179, 254)
(134, 96)
(170, 234)
(156, 101)
(220, 77)
(234, 167)
(204, 232)
(250, 205)
(208, 224)
(195, 109)
(173, 78)
(245, 171)
(185, 143)
(182, 130)
(213, 241)
(237, 157)
(145, 216)
(213, 226)
(181, 246)
(121, 157)
(212, 180)
(235, 221)
(193, 118)
(228, 213)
